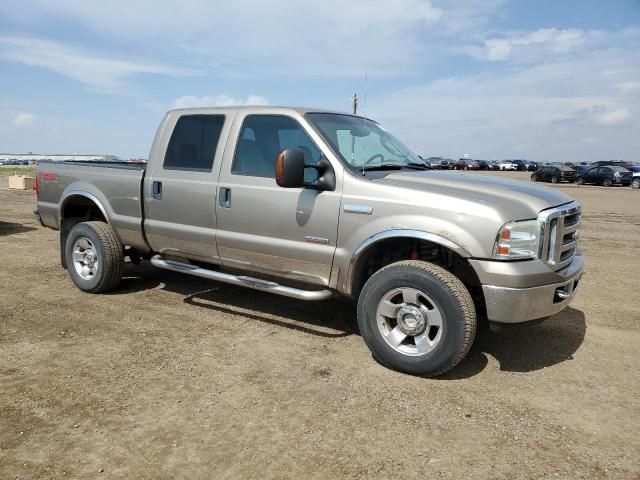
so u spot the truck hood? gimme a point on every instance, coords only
(513, 199)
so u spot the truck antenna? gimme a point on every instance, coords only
(354, 102)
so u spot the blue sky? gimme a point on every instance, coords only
(544, 80)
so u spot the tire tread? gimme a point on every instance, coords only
(462, 295)
(113, 261)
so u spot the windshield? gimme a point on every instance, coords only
(361, 142)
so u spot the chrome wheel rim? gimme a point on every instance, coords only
(409, 321)
(85, 258)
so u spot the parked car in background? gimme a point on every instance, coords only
(466, 164)
(521, 165)
(532, 166)
(483, 164)
(608, 175)
(439, 163)
(443, 165)
(553, 174)
(580, 169)
(507, 165)
(617, 163)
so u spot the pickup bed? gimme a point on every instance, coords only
(310, 204)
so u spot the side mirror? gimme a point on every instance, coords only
(290, 171)
(326, 176)
(290, 168)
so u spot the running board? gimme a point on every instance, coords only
(240, 280)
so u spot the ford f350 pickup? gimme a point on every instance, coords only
(310, 204)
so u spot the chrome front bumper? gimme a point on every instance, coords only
(516, 305)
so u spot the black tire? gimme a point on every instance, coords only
(554, 179)
(580, 181)
(109, 252)
(607, 182)
(534, 178)
(449, 295)
(635, 183)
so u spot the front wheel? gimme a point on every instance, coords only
(635, 183)
(554, 179)
(534, 178)
(416, 317)
(580, 181)
(94, 257)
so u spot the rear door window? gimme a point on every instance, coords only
(194, 142)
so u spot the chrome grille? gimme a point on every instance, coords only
(560, 226)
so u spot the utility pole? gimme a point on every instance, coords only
(354, 101)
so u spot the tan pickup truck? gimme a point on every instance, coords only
(310, 204)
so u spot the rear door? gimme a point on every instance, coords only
(286, 232)
(180, 191)
(601, 173)
(590, 175)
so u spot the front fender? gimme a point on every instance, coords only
(398, 233)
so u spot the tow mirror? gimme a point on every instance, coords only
(290, 168)
(290, 171)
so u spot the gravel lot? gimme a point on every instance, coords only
(176, 377)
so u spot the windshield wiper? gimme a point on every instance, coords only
(381, 166)
(418, 166)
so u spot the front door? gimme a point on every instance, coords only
(180, 191)
(287, 232)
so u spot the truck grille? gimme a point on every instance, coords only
(560, 227)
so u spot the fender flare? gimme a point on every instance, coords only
(81, 193)
(399, 233)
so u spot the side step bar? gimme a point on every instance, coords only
(240, 280)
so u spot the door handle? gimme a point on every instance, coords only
(156, 190)
(224, 197)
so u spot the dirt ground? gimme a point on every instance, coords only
(172, 376)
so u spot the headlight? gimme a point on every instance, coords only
(518, 240)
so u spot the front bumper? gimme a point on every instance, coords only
(508, 304)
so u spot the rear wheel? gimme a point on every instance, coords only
(580, 181)
(416, 317)
(534, 178)
(94, 257)
(607, 182)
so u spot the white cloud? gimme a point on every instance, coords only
(540, 112)
(101, 72)
(539, 42)
(189, 101)
(632, 86)
(24, 119)
(618, 116)
(279, 37)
